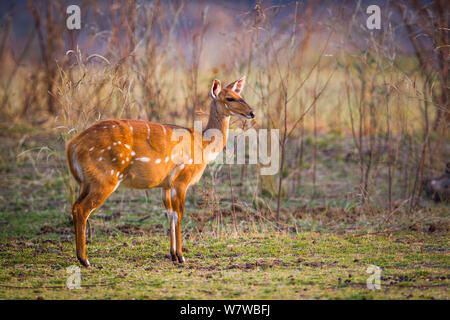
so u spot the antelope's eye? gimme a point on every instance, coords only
(230, 99)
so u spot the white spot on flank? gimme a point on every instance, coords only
(92, 148)
(120, 155)
(123, 161)
(190, 161)
(157, 160)
(100, 159)
(112, 172)
(143, 159)
(121, 176)
(166, 159)
(114, 143)
(113, 126)
(119, 142)
(131, 128)
(127, 159)
(109, 148)
(114, 159)
(117, 174)
(103, 150)
(127, 146)
(133, 153)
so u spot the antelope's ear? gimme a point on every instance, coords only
(237, 86)
(215, 89)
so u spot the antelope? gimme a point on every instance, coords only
(143, 155)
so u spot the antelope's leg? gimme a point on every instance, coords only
(89, 229)
(178, 204)
(170, 216)
(76, 207)
(92, 200)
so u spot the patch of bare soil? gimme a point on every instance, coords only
(131, 229)
(50, 229)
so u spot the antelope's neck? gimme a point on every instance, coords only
(218, 121)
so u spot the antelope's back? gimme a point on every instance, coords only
(137, 153)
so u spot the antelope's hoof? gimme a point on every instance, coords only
(180, 259)
(84, 262)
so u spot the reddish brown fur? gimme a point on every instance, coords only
(126, 152)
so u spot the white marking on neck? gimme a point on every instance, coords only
(212, 156)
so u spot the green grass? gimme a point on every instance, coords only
(256, 266)
(322, 251)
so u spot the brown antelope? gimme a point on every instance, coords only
(143, 155)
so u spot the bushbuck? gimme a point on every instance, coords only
(142, 155)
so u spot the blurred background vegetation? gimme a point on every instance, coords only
(363, 114)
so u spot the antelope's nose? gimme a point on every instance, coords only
(252, 114)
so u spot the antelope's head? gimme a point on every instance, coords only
(229, 100)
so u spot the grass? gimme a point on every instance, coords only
(257, 266)
(325, 256)
(351, 194)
